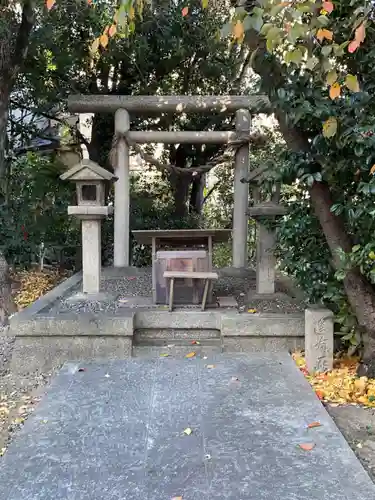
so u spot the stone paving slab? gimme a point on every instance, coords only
(115, 432)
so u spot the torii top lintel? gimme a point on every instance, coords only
(146, 104)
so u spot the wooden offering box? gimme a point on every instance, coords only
(187, 291)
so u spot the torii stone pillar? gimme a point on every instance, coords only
(122, 192)
(241, 193)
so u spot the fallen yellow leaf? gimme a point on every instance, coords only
(307, 446)
(251, 311)
(188, 431)
(164, 355)
(341, 385)
(190, 355)
(210, 366)
(314, 424)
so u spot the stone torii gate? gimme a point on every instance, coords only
(122, 106)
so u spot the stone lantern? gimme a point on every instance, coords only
(261, 211)
(90, 181)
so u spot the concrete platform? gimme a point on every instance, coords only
(116, 431)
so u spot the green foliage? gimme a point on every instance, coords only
(34, 222)
(151, 207)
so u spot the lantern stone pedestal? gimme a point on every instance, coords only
(90, 179)
(266, 262)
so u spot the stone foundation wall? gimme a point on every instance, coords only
(44, 341)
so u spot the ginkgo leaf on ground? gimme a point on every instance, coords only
(314, 424)
(334, 91)
(330, 127)
(164, 355)
(210, 366)
(177, 498)
(188, 431)
(351, 83)
(320, 394)
(204, 4)
(307, 446)
(190, 355)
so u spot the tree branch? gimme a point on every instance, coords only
(38, 112)
(22, 41)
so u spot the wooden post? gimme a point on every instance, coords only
(122, 196)
(205, 293)
(153, 257)
(171, 290)
(241, 194)
(210, 253)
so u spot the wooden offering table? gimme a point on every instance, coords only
(184, 250)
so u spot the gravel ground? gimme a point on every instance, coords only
(135, 291)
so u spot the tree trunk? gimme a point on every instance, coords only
(4, 107)
(7, 305)
(180, 186)
(359, 291)
(14, 42)
(179, 182)
(196, 195)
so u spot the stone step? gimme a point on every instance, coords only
(175, 351)
(188, 334)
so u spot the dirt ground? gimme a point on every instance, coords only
(357, 424)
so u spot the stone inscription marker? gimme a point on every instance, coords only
(319, 339)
